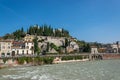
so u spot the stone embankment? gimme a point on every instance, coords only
(58, 60)
(111, 56)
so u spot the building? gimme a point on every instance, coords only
(22, 48)
(29, 37)
(94, 50)
(16, 48)
(5, 48)
(116, 47)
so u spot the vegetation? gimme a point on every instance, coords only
(21, 60)
(48, 60)
(45, 60)
(98, 45)
(36, 48)
(71, 57)
(66, 44)
(84, 46)
(47, 30)
(36, 60)
(4, 60)
(43, 30)
(52, 45)
(28, 59)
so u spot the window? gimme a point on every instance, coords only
(17, 52)
(27, 51)
(8, 47)
(8, 43)
(8, 53)
(3, 54)
(3, 47)
(27, 47)
(23, 52)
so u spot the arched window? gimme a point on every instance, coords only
(27, 52)
(13, 53)
(17, 52)
(23, 52)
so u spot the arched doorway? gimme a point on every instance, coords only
(13, 53)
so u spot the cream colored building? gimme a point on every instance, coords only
(22, 48)
(5, 48)
(94, 50)
(29, 37)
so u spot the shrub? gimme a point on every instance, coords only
(21, 60)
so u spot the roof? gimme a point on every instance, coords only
(5, 41)
(28, 41)
(15, 47)
(18, 42)
(93, 46)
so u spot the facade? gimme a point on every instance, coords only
(110, 48)
(5, 48)
(94, 50)
(15, 48)
(116, 47)
(29, 37)
(22, 48)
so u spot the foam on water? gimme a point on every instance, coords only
(13, 76)
(42, 77)
(35, 77)
(11, 69)
(98, 70)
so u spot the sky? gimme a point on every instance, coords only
(88, 20)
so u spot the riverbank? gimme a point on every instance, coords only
(40, 60)
(66, 61)
(27, 65)
(14, 66)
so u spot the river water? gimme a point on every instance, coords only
(90, 70)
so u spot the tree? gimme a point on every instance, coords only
(8, 36)
(36, 48)
(66, 44)
(47, 47)
(86, 48)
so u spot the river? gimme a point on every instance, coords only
(89, 70)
